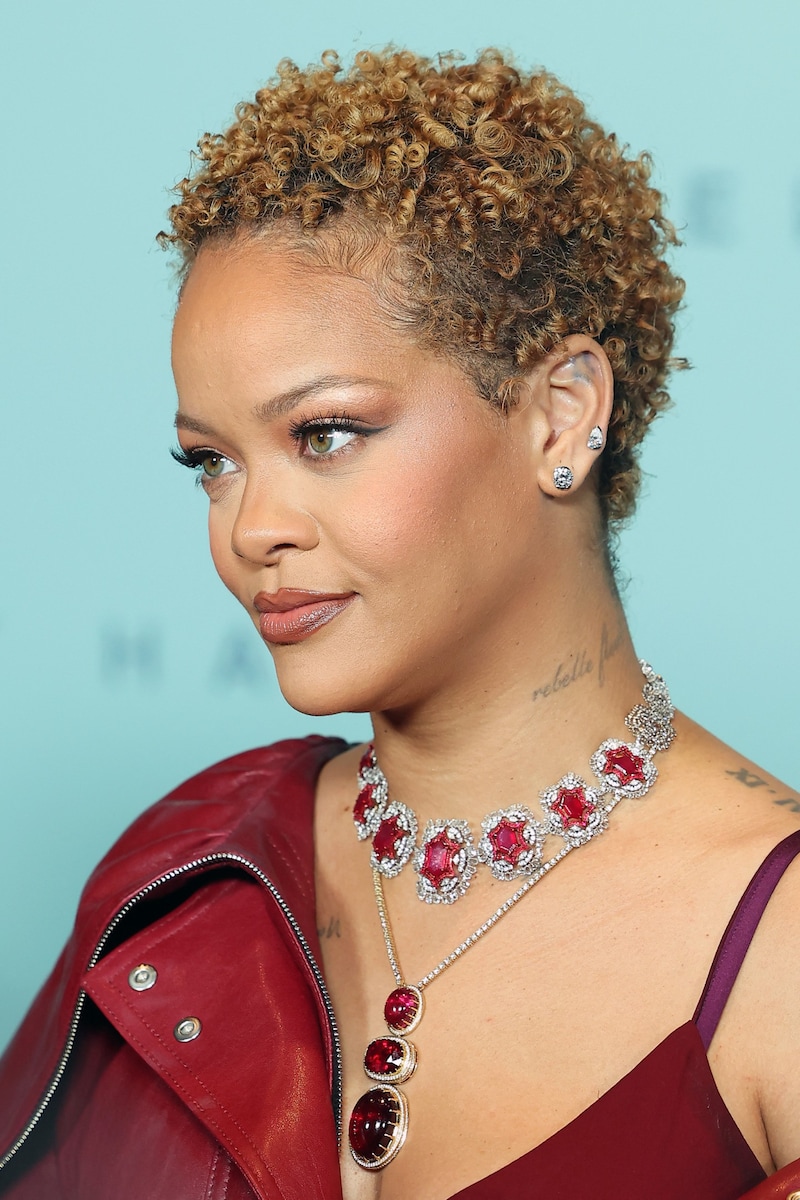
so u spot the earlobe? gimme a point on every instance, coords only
(575, 391)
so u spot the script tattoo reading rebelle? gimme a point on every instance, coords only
(580, 666)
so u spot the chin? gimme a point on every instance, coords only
(318, 693)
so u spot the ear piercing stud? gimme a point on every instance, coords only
(563, 478)
(595, 441)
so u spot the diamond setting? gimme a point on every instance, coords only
(394, 839)
(649, 728)
(445, 861)
(574, 810)
(624, 769)
(372, 795)
(511, 844)
(390, 1060)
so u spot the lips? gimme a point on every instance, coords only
(290, 615)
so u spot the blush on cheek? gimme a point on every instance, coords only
(411, 510)
(387, 531)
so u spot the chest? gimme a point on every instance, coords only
(522, 1034)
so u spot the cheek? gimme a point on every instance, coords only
(399, 516)
(431, 508)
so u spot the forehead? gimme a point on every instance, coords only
(251, 303)
(230, 290)
(258, 322)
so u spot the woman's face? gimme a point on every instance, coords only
(341, 459)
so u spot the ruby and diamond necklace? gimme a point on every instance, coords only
(511, 844)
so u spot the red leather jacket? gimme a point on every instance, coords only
(198, 925)
(210, 896)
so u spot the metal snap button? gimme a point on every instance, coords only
(793, 1196)
(142, 977)
(188, 1029)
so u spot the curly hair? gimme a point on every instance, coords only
(502, 217)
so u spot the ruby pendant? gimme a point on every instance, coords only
(402, 1011)
(379, 1120)
(390, 1060)
(378, 1127)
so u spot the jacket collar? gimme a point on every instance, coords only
(257, 806)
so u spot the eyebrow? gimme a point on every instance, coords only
(284, 402)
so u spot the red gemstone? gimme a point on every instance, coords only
(401, 1008)
(572, 807)
(387, 835)
(507, 841)
(372, 1123)
(366, 760)
(384, 1056)
(365, 802)
(626, 765)
(438, 859)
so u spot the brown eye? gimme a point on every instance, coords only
(324, 440)
(213, 465)
(321, 441)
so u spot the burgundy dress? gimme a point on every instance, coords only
(663, 1132)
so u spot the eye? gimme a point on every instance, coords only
(323, 440)
(213, 465)
(208, 464)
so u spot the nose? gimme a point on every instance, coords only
(269, 524)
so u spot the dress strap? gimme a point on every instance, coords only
(737, 937)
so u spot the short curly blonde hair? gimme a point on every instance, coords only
(503, 218)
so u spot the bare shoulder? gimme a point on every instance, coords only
(758, 1039)
(737, 811)
(749, 794)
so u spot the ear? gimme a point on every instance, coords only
(573, 394)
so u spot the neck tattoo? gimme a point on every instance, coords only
(511, 845)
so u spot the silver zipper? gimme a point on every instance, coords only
(336, 1090)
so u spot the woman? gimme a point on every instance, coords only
(424, 324)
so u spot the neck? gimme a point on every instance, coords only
(524, 716)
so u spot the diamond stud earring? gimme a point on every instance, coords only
(563, 478)
(595, 441)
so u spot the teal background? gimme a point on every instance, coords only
(125, 665)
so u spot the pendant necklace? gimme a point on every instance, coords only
(511, 846)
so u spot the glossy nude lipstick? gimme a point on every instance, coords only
(290, 615)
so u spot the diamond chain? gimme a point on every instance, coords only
(477, 934)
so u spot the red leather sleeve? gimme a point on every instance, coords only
(783, 1185)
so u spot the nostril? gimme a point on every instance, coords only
(265, 529)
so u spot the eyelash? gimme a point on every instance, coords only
(188, 458)
(194, 459)
(300, 431)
